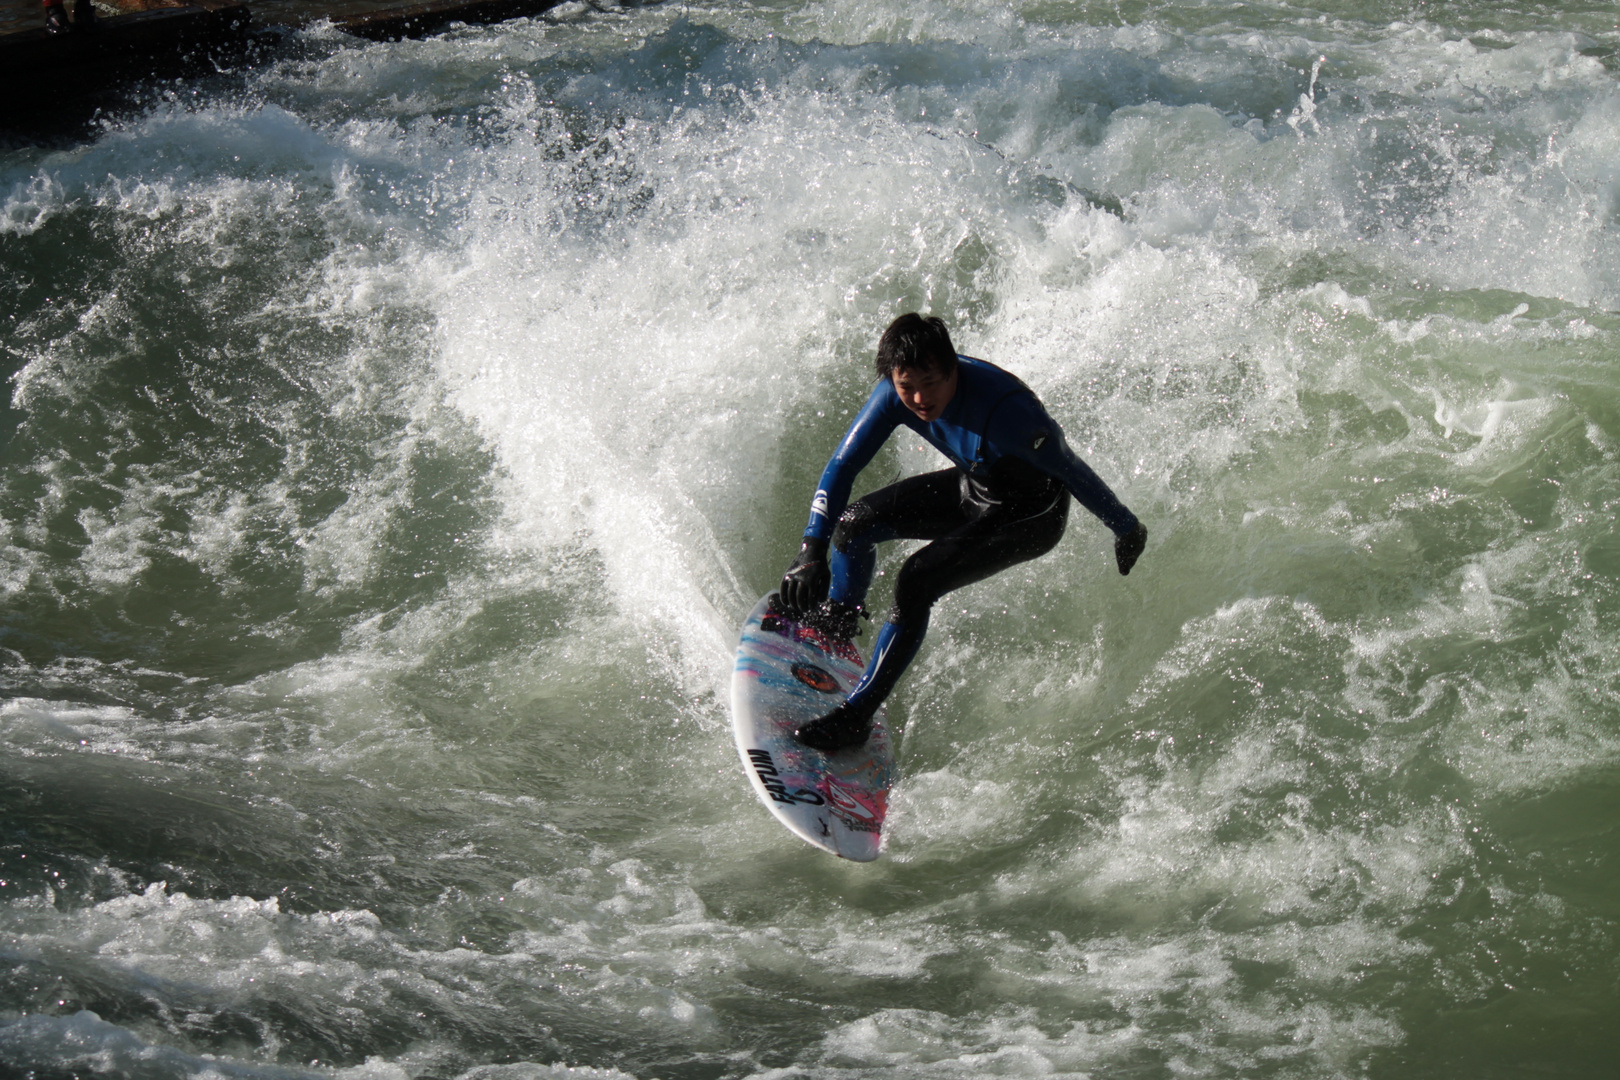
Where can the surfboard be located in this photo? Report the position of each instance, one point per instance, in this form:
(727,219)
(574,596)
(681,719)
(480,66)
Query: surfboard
(787,673)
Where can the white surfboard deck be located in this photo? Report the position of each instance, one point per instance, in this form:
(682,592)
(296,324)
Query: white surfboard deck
(786,674)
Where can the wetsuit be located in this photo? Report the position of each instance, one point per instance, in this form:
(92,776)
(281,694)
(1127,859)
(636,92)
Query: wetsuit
(1004,502)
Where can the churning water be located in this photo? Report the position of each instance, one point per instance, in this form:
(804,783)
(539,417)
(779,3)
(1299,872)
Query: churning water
(398,433)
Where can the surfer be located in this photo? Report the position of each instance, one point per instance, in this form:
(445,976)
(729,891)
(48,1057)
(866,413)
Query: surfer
(1005,501)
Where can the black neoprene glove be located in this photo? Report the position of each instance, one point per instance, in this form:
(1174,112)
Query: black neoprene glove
(1128,547)
(806,581)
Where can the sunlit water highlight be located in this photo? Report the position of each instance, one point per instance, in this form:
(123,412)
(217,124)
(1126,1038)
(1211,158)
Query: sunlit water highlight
(398,434)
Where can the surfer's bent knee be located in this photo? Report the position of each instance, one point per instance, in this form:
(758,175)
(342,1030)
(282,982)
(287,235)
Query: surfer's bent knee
(853,524)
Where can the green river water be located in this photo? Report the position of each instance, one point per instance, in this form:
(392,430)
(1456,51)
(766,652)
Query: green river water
(396,435)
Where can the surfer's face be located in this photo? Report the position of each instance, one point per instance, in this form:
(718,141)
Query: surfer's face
(925,392)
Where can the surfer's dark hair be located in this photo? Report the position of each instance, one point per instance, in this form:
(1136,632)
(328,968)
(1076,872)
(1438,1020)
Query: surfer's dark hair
(914,343)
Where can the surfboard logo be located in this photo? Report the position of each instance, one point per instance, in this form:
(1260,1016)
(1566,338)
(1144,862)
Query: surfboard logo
(816,678)
(846,803)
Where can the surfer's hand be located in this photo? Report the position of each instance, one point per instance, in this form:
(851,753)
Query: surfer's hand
(1128,547)
(806,581)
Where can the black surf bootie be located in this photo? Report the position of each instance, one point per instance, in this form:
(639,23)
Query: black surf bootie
(845,727)
(836,619)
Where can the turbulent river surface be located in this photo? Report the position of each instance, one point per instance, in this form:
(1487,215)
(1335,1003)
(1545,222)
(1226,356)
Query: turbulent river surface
(396,435)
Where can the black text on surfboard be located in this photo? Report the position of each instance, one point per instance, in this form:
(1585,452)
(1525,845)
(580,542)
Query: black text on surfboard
(766,769)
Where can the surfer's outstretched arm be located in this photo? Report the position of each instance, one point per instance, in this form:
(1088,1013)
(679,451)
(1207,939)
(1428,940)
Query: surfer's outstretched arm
(1026,431)
(866,435)
(806,581)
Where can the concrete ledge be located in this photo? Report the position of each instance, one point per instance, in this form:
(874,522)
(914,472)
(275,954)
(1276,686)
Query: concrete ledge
(52,82)
(385,22)
(50,77)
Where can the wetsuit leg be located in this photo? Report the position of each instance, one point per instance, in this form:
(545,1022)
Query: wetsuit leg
(917,508)
(991,538)
(987,545)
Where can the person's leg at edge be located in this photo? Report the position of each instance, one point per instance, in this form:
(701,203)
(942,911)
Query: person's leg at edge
(982,548)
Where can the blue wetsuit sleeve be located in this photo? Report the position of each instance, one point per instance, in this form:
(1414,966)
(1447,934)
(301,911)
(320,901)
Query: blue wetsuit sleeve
(872,426)
(1023,428)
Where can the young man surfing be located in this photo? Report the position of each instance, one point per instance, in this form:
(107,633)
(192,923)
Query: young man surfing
(1005,501)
